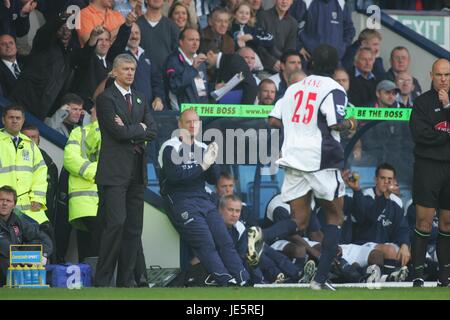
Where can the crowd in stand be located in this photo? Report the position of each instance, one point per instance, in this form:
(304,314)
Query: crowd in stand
(184,50)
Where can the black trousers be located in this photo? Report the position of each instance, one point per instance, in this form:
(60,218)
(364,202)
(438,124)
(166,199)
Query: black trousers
(122,220)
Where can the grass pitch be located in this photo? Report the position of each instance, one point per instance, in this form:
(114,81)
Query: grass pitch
(225,294)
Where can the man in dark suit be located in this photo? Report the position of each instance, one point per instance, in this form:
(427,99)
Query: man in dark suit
(225,66)
(125,125)
(10,64)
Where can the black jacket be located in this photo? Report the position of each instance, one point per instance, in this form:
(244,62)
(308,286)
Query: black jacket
(430,127)
(116,162)
(7,78)
(18,231)
(48,73)
(229,65)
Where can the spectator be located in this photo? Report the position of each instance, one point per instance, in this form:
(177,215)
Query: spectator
(203,9)
(290,62)
(179,13)
(325,21)
(71,114)
(185,72)
(400,61)
(160,30)
(243,29)
(183,191)
(32,132)
(48,76)
(368,38)
(296,76)
(28,174)
(225,66)
(99,13)
(16,230)
(256,7)
(380,221)
(15,16)
(126,6)
(11,64)
(389,141)
(147,78)
(362,79)
(405,82)
(250,58)
(283,27)
(97,56)
(267,92)
(215,36)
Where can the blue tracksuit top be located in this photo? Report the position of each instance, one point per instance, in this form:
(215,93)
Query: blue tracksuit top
(185,178)
(378,219)
(324,21)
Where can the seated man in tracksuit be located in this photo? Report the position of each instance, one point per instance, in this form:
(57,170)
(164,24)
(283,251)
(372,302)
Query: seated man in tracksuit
(273,266)
(186,164)
(14,229)
(379,218)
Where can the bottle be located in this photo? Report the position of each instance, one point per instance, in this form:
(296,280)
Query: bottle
(18,279)
(26,275)
(42,275)
(34,274)
(10,276)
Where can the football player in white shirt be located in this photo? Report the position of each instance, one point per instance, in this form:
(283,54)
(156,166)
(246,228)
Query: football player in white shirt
(312,114)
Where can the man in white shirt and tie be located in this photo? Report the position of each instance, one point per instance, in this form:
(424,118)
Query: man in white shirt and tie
(10,68)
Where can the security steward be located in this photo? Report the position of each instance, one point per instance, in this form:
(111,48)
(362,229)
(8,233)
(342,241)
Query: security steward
(22,166)
(83,196)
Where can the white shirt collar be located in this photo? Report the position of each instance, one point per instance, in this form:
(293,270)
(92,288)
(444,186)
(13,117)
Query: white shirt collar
(139,53)
(122,90)
(189,61)
(219,57)
(9,64)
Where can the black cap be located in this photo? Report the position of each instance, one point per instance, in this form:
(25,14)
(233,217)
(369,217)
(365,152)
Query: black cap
(325,59)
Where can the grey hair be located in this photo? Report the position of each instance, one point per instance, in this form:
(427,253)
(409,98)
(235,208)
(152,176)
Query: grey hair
(223,200)
(123,58)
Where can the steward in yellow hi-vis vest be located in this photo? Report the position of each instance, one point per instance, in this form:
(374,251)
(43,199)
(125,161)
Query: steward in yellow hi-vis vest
(82,167)
(22,166)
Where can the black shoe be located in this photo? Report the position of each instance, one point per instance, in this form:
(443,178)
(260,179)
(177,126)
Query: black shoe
(143,282)
(418,283)
(443,284)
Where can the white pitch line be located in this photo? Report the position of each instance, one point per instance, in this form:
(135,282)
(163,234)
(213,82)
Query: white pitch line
(378,285)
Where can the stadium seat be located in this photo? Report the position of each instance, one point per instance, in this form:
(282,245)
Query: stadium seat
(266,191)
(153,182)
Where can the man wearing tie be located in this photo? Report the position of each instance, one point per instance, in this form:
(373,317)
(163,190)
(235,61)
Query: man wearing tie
(125,125)
(10,67)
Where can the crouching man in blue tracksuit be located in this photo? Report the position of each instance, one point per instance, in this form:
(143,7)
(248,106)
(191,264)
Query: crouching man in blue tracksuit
(185,166)
(380,221)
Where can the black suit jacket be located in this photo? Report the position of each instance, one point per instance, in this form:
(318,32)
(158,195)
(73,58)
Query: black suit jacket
(229,65)
(116,157)
(7,78)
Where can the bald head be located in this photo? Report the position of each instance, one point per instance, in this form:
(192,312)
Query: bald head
(189,121)
(440,74)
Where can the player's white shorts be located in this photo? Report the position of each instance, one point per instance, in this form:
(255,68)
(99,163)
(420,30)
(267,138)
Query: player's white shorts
(326,184)
(355,253)
(360,253)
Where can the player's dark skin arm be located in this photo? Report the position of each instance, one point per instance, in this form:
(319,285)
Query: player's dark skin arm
(301,242)
(347,124)
(275,123)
